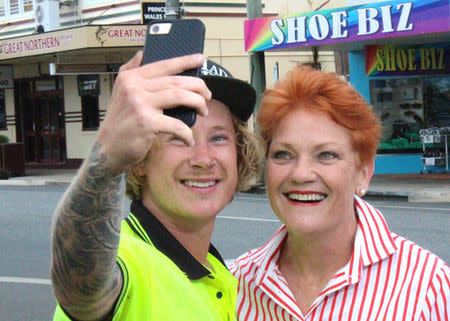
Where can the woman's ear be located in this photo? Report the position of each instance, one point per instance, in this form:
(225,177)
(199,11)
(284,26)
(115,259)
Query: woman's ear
(366,173)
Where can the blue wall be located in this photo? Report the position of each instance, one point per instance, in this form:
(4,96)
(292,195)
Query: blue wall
(398,164)
(357,68)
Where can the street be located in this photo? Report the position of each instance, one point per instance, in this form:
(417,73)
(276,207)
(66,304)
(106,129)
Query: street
(25,216)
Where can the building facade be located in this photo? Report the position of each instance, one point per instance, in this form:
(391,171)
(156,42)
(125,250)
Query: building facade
(399,60)
(59,60)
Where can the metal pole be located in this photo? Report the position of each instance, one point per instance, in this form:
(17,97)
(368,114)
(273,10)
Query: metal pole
(173,9)
(257,69)
(257,63)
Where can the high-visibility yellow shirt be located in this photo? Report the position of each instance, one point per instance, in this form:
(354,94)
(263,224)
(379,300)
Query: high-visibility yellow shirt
(162,280)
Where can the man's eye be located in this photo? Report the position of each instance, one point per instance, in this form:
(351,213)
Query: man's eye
(219,138)
(175,139)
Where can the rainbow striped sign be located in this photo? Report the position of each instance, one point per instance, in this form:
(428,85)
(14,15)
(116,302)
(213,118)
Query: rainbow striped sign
(388,60)
(349,24)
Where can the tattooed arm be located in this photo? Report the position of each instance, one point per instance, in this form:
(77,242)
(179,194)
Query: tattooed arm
(86,229)
(85,241)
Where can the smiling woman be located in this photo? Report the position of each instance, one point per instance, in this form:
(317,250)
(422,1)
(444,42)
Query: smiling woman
(334,258)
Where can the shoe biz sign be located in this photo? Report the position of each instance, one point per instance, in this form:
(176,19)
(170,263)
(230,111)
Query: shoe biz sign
(407,60)
(355,24)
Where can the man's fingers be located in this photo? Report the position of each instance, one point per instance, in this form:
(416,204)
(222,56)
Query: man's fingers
(174,90)
(134,62)
(190,83)
(174,97)
(172,66)
(170,125)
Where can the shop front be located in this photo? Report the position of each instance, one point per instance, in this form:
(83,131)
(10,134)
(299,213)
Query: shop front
(399,59)
(410,91)
(61,83)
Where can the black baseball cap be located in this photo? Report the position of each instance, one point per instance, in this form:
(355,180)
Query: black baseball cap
(238,95)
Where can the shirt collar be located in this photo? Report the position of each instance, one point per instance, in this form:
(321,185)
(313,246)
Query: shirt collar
(166,243)
(376,242)
(373,243)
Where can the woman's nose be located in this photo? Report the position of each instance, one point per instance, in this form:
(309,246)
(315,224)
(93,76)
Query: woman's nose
(303,172)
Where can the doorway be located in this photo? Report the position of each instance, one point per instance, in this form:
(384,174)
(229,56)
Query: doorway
(42,114)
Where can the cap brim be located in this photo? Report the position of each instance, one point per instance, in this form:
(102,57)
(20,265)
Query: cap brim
(238,95)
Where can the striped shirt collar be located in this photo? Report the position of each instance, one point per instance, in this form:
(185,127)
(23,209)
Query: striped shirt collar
(373,243)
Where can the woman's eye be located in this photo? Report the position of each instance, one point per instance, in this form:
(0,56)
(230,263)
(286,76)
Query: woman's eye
(281,155)
(328,155)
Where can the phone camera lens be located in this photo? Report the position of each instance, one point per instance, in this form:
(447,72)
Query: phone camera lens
(155,28)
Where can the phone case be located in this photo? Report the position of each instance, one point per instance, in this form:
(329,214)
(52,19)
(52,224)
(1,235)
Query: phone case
(186,37)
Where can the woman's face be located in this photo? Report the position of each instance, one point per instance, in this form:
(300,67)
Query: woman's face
(312,173)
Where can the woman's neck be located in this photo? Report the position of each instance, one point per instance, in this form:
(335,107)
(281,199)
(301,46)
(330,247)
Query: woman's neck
(308,262)
(319,254)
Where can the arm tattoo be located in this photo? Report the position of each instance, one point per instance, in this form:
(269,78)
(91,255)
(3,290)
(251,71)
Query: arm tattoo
(86,232)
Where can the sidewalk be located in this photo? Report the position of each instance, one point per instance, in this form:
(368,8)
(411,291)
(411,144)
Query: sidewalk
(413,188)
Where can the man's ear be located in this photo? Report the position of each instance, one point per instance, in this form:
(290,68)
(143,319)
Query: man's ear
(139,169)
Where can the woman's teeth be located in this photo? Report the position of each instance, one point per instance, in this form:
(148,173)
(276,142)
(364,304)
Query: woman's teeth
(306,197)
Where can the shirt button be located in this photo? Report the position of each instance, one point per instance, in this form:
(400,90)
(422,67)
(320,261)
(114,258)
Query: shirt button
(219,295)
(210,276)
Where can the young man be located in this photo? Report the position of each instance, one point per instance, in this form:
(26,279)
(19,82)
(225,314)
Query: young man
(180,178)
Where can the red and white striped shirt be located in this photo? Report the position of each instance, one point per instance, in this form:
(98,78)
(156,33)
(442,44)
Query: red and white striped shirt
(387,278)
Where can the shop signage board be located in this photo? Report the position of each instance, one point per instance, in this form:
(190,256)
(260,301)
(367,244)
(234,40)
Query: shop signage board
(392,60)
(105,36)
(88,85)
(348,24)
(153,11)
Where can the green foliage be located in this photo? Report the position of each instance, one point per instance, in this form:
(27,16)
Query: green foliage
(4,139)
(314,60)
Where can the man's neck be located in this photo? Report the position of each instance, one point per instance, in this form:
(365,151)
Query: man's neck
(193,234)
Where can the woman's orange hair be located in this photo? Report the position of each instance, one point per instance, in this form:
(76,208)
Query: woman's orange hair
(304,87)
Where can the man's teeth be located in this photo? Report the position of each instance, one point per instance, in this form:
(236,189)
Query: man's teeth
(306,197)
(199,184)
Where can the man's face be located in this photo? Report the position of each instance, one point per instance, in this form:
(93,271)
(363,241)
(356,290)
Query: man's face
(187,184)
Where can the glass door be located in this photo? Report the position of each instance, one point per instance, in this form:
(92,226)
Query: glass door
(46,129)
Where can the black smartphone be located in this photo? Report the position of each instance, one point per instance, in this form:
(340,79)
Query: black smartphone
(167,39)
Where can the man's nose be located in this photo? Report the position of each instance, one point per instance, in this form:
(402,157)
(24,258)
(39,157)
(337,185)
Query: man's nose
(201,156)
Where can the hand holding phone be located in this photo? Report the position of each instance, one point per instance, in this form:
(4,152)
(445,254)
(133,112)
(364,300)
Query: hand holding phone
(173,38)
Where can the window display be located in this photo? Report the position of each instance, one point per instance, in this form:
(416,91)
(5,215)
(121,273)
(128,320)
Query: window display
(407,105)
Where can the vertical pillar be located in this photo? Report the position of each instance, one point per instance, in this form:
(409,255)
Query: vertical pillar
(257,63)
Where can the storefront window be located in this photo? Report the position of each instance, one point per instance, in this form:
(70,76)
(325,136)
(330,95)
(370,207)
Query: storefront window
(407,105)
(10,8)
(13,7)
(2,8)
(90,112)
(27,5)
